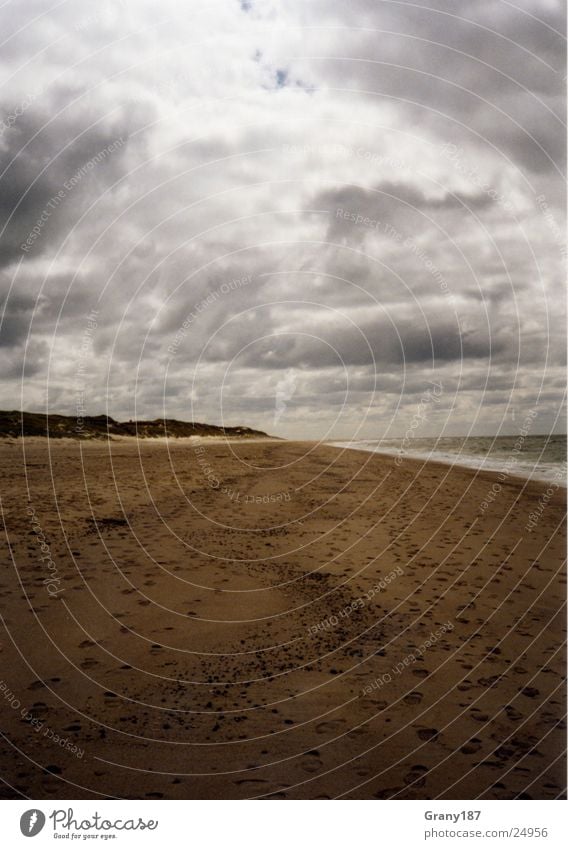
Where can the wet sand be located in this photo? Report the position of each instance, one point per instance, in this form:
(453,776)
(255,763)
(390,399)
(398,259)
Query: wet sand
(276,620)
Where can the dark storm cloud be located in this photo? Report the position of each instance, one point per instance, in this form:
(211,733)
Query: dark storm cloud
(23,361)
(16,320)
(60,308)
(46,169)
(487,68)
(356,212)
(21,200)
(389,343)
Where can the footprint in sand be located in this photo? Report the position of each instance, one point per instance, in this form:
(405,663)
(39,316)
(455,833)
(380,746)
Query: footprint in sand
(488,682)
(413,698)
(471,747)
(53,769)
(427,733)
(479,716)
(387,793)
(330,726)
(522,770)
(311,763)
(416,775)
(531,692)
(554,787)
(421,673)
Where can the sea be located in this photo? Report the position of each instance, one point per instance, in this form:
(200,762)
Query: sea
(536,457)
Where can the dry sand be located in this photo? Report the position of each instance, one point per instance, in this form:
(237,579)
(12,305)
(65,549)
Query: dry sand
(203,642)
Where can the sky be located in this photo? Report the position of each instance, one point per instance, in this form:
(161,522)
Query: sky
(320,218)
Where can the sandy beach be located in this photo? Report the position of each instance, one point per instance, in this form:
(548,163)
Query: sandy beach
(208,619)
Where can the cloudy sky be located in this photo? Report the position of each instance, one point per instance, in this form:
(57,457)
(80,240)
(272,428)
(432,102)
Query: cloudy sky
(300,215)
